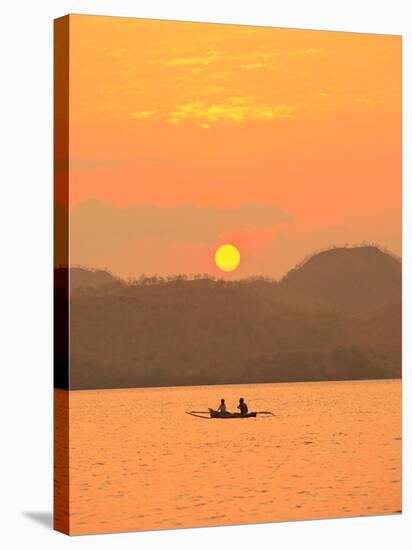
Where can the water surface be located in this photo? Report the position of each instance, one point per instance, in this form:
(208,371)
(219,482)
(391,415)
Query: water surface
(139,462)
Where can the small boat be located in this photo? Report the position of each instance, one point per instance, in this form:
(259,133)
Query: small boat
(211,413)
(217,414)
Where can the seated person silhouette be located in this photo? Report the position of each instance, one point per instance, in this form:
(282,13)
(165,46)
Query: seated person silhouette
(222,407)
(243,407)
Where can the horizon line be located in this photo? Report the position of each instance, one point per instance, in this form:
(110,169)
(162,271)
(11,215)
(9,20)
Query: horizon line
(209,276)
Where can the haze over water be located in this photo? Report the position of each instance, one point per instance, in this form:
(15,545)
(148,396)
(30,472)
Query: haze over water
(138,462)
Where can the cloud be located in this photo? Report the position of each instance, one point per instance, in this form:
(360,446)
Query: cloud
(195,60)
(306,51)
(118,52)
(98,225)
(219,76)
(210,90)
(141,115)
(145,238)
(189,61)
(233,109)
(266,55)
(366,101)
(84,163)
(251,66)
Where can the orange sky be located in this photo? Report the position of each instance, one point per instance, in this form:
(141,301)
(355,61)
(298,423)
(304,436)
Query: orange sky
(187,135)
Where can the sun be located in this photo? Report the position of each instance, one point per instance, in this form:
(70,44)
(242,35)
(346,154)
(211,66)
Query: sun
(227,257)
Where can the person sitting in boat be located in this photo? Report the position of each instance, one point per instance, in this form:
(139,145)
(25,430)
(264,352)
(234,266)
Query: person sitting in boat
(222,407)
(242,407)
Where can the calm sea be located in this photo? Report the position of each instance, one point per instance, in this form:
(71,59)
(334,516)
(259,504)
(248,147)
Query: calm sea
(139,462)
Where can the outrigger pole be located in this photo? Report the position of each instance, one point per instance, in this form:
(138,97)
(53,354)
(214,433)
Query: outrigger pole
(209,415)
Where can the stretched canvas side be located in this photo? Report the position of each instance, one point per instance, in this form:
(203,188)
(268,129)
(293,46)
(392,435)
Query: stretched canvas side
(61,275)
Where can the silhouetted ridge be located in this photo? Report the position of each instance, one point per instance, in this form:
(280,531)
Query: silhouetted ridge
(336,317)
(345,279)
(82,278)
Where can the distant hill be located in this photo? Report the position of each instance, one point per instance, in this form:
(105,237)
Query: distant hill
(337,316)
(97,279)
(345,279)
(82,279)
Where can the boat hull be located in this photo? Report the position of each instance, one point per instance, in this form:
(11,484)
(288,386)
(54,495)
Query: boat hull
(216,414)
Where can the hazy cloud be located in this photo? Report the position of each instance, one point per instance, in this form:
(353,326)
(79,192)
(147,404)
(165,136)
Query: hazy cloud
(82,163)
(231,109)
(251,66)
(234,109)
(144,114)
(211,90)
(95,223)
(195,60)
(306,51)
(366,101)
(118,52)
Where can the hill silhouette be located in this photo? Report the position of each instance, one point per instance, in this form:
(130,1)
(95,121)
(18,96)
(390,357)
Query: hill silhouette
(345,279)
(336,317)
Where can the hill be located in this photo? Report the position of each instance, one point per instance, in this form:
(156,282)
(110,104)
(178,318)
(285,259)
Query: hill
(345,279)
(86,280)
(335,317)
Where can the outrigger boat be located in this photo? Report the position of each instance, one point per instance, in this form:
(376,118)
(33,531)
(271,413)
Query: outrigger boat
(211,413)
